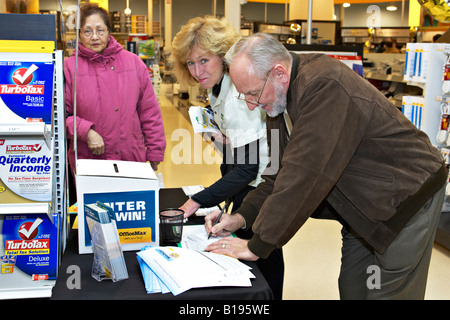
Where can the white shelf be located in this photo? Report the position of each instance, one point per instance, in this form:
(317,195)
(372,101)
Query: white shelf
(39,129)
(26,208)
(43,290)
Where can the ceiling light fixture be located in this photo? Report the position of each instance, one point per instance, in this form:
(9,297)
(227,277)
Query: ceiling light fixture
(391,8)
(127,10)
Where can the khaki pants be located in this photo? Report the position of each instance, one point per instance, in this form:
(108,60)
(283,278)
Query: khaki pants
(402,271)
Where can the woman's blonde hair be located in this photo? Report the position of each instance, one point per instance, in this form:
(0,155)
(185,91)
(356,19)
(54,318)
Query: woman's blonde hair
(214,35)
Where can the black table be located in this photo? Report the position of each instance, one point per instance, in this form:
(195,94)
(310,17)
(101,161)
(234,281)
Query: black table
(133,288)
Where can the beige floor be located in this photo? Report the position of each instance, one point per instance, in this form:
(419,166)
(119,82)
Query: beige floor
(312,257)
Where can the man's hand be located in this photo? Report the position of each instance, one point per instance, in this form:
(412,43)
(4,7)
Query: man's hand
(227,224)
(233,247)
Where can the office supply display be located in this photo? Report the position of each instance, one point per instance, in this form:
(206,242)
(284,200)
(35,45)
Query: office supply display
(109,262)
(181,269)
(33,221)
(427,65)
(202,120)
(412,108)
(425,68)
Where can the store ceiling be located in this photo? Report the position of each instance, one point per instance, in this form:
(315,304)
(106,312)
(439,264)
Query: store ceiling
(335,1)
(270,1)
(364,1)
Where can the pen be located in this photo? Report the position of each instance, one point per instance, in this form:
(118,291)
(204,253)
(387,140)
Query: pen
(227,202)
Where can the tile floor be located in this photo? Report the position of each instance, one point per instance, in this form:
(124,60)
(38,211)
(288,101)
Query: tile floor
(312,257)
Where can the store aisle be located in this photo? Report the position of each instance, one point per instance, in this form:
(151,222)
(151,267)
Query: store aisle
(312,257)
(184,161)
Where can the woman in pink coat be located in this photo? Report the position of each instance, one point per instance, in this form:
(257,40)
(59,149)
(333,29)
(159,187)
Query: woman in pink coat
(118,114)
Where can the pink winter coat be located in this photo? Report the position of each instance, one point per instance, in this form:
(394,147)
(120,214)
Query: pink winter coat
(115,97)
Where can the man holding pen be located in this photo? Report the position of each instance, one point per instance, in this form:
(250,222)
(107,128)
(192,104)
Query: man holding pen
(351,156)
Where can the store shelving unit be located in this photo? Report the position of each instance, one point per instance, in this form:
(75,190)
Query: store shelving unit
(424,63)
(424,67)
(385,71)
(15,281)
(59,196)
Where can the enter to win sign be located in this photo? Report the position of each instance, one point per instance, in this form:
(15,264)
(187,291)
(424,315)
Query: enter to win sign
(134,212)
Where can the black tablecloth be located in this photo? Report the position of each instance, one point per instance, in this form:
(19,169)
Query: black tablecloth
(133,287)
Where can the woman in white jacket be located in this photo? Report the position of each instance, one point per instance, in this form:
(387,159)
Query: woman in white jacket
(197,54)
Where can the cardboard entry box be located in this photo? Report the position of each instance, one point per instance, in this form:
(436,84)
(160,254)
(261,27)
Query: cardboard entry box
(131,189)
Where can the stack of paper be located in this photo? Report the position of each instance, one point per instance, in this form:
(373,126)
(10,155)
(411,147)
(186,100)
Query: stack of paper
(109,262)
(178,270)
(152,282)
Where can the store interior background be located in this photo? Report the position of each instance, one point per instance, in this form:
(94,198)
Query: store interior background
(183,10)
(265,11)
(312,257)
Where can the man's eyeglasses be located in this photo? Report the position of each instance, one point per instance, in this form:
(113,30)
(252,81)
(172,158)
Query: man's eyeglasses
(89,32)
(241,96)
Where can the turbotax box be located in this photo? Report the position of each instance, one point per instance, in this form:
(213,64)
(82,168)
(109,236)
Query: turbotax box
(29,255)
(26,91)
(26,168)
(131,189)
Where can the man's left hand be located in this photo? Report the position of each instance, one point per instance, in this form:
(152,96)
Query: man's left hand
(233,247)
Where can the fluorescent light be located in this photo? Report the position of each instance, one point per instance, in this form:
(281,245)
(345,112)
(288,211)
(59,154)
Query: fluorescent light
(346,5)
(391,8)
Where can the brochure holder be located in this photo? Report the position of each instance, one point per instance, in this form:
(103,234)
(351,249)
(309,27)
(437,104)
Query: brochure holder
(109,262)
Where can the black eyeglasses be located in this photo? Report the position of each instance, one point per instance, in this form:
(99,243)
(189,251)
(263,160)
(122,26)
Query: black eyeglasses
(241,96)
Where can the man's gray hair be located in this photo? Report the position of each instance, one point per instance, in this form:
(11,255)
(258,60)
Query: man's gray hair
(263,51)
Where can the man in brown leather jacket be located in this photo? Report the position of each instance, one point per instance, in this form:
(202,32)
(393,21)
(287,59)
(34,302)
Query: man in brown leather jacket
(350,155)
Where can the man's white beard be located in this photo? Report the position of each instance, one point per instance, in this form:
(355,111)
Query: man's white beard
(279,105)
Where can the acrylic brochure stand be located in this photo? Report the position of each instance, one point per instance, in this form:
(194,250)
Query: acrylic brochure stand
(109,262)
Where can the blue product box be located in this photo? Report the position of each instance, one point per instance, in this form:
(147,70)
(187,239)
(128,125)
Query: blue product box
(29,248)
(26,92)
